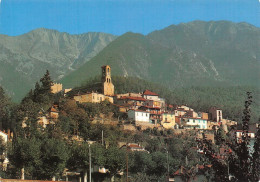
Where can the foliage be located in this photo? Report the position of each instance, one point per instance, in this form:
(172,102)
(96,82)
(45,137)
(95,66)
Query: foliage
(115,160)
(256,156)
(239,163)
(5,110)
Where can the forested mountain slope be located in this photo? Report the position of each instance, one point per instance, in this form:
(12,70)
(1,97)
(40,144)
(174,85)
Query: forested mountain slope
(216,53)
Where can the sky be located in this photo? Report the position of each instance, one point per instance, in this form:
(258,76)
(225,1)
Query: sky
(119,16)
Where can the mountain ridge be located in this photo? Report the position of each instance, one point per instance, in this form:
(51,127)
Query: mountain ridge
(188,54)
(28,56)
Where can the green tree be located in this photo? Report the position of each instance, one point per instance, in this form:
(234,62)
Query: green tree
(54,155)
(115,160)
(256,156)
(24,154)
(5,107)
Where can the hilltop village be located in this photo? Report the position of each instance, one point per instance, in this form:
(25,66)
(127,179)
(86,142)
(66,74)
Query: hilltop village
(117,128)
(148,109)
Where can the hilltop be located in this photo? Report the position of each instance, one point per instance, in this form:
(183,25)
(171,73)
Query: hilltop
(230,99)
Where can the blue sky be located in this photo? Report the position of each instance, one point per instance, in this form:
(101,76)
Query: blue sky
(119,16)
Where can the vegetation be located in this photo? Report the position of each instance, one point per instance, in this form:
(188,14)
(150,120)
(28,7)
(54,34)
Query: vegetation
(238,164)
(43,153)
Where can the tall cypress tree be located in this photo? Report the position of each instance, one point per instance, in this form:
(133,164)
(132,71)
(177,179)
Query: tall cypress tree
(46,83)
(256,156)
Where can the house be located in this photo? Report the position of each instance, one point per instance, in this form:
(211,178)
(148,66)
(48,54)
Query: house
(147,94)
(56,87)
(153,99)
(129,95)
(238,134)
(133,101)
(4,136)
(155,113)
(139,116)
(194,123)
(215,114)
(92,97)
(203,115)
(3,159)
(54,112)
(135,147)
(168,120)
(44,121)
(191,113)
(180,112)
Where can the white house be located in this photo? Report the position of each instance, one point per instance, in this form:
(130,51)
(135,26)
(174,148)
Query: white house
(139,115)
(192,123)
(5,161)
(147,94)
(238,134)
(4,136)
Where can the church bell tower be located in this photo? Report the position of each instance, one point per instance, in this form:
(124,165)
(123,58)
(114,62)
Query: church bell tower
(108,87)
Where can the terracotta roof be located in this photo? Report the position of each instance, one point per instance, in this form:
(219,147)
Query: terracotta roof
(148,92)
(242,131)
(138,110)
(53,109)
(150,107)
(133,145)
(132,98)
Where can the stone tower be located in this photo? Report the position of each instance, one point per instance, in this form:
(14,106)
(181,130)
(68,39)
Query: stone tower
(108,87)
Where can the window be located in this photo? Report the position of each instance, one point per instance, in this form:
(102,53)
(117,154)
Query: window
(101,98)
(193,121)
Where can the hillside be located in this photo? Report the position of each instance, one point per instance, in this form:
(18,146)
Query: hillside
(230,99)
(198,53)
(25,58)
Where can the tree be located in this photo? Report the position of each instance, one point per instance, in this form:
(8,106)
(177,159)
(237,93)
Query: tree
(5,106)
(239,163)
(256,156)
(46,83)
(25,155)
(115,160)
(79,156)
(54,155)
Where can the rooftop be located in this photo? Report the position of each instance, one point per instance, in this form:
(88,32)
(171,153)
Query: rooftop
(148,92)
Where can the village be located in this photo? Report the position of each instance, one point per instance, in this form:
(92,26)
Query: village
(146,110)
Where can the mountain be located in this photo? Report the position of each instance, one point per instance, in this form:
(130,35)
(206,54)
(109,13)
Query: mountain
(215,53)
(25,58)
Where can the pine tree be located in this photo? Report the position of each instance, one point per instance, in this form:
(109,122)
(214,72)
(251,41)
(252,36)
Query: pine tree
(46,83)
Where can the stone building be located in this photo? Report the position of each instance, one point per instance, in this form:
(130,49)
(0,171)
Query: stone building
(215,114)
(56,87)
(108,87)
